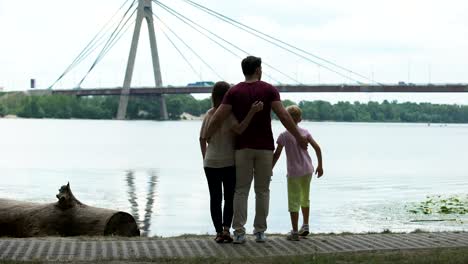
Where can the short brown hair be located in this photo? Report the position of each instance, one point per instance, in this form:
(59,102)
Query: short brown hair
(295,112)
(218,92)
(250,64)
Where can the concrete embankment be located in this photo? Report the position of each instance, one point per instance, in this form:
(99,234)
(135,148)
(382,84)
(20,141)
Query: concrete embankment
(91,249)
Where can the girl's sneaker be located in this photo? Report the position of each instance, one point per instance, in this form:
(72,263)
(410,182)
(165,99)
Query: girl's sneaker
(293,236)
(219,238)
(227,237)
(304,231)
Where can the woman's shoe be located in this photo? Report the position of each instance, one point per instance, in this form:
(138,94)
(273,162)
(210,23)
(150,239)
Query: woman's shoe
(227,237)
(219,238)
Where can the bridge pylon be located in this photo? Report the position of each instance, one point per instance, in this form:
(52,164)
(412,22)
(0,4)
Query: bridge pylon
(144,12)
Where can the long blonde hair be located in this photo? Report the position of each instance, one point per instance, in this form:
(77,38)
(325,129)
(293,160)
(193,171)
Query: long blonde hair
(295,112)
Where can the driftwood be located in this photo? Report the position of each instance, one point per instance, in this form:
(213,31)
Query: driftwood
(67,217)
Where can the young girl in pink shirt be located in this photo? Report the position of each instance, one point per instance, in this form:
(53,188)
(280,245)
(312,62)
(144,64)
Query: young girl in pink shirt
(300,170)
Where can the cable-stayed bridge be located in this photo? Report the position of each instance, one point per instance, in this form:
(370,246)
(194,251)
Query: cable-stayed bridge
(137,11)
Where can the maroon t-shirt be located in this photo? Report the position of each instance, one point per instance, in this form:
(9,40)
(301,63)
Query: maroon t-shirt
(258,134)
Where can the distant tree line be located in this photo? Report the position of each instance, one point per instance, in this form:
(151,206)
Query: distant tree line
(98,107)
(105,107)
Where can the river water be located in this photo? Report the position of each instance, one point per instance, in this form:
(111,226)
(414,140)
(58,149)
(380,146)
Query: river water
(373,172)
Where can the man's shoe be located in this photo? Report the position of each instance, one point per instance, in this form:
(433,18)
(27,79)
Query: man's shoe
(293,236)
(260,237)
(304,231)
(239,238)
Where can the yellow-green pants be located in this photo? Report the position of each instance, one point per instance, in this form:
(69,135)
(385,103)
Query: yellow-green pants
(298,192)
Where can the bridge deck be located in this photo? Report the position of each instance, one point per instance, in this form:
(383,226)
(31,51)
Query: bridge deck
(436,88)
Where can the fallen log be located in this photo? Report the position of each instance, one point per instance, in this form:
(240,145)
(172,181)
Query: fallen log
(67,217)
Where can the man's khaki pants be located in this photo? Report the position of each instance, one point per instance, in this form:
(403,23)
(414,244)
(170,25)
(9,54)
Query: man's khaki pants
(257,165)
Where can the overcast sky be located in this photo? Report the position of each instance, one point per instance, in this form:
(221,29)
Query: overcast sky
(387,41)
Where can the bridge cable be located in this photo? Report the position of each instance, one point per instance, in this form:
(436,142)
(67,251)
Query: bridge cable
(110,42)
(101,42)
(190,48)
(204,34)
(219,44)
(258,33)
(178,15)
(234,22)
(119,37)
(184,18)
(90,47)
(181,54)
(119,34)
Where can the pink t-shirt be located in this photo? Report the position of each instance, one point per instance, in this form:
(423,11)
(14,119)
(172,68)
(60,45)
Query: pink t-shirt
(299,162)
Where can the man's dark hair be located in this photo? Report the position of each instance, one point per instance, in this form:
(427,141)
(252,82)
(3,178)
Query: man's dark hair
(219,90)
(250,64)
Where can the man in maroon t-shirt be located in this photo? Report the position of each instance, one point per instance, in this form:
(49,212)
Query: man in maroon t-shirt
(254,147)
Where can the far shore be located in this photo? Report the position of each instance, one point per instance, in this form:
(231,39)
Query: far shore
(189,117)
(10,117)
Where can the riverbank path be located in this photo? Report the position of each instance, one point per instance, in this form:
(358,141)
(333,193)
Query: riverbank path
(91,249)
